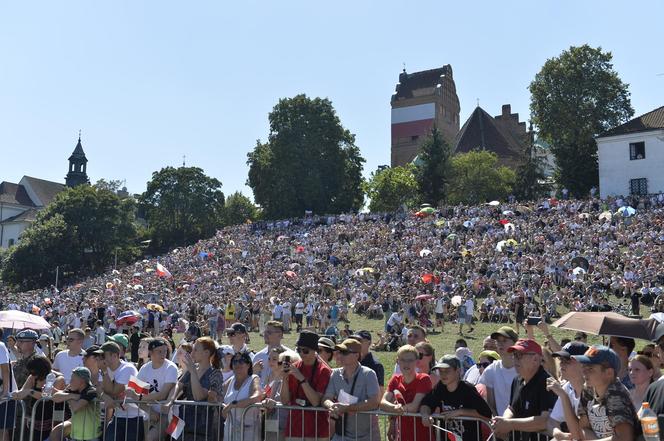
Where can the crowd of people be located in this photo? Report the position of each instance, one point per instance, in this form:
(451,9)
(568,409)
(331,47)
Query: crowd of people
(181,324)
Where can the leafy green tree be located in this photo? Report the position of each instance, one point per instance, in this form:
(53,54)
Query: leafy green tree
(575,97)
(476,178)
(182,205)
(80,231)
(530,176)
(238,209)
(112,185)
(309,162)
(432,172)
(390,188)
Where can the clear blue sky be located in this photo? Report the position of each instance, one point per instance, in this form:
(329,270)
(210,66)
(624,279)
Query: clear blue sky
(150,81)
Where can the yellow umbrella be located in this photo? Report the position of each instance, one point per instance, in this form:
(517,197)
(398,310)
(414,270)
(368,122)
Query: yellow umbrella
(155,307)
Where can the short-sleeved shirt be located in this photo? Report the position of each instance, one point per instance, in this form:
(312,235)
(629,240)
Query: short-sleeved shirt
(607,412)
(158,378)
(85,421)
(465,396)
(65,364)
(372,363)
(4,359)
(499,379)
(358,426)
(404,393)
(558,414)
(318,376)
(121,376)
(531,399)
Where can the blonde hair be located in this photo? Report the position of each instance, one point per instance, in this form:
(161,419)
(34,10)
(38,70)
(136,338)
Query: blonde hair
(407,349)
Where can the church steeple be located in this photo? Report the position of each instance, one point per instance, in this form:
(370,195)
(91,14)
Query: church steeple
(78,164)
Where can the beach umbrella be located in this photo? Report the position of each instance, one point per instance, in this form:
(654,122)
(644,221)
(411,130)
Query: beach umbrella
(494,203)
(512,242)
(428,210)
(581,262)
(439,222)
(605,216)
(456,300)
(22,320)
(290,274)
(508,227)
(608,323)
(128,318)
(452,236)
(508,213)
(504,221)
(155,307)
(424,297)
(299,249)
(425,252)
(430,278)
(626,211)
(500,245)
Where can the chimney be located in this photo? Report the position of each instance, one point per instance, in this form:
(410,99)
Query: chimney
(507,110)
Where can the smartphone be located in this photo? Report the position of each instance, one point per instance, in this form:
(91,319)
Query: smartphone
(533,320)
(286,363)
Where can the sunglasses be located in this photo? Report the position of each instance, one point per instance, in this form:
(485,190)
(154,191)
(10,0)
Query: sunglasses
(484,364)
(304,351)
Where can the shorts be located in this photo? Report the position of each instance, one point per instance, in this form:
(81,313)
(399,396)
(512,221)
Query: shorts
(461,320)
(440,315)
(7,414)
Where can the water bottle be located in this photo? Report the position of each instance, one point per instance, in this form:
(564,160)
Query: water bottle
(649,423)
(47,390)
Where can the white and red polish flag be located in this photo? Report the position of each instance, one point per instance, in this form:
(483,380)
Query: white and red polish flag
(163,272)
(176,424)
(140,387)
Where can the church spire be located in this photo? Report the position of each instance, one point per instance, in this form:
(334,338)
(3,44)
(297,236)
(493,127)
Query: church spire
(77,166)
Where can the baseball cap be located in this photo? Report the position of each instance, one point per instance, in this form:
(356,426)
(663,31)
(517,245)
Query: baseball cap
(362,335)
(110,346)
(156,342)
(489,354)
(571,348)
(526,345)
(120,339)
(27,335)
(349,345)
(237,327)
(44,337)
(448,361)
(326,343)
(505,331)
(598,354)
(83,372)
(93,350)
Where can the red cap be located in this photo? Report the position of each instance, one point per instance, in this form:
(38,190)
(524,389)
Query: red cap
(526,345)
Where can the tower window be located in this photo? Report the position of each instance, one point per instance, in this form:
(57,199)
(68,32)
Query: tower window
(414,138)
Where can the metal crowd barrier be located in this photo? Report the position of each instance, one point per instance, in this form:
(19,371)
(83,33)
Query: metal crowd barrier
(314,423)
(12,414)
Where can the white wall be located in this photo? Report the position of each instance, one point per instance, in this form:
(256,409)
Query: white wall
(616,169)
(7,211)
(12,230)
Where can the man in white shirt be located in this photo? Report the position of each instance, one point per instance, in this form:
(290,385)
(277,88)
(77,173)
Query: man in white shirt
(66,361)
(7,408)
(395,319)
(273,334)
(299,312)
(498,376)
(277,311)
(127,423)
(100,333)
(162,375)
(286,318)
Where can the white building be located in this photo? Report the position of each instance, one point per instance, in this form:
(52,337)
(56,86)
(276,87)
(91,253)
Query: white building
(631,156)
(19,203)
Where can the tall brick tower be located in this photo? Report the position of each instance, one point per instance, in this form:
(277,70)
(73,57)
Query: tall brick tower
(422,99)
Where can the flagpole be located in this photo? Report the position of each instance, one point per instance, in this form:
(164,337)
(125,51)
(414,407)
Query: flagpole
(57,274)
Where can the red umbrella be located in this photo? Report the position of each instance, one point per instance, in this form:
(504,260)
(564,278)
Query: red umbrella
(504,221)
(128,318)
(430,278)
(290,274)
(299,249)
(424,297)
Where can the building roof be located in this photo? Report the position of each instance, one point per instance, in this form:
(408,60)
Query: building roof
(482,132)
(11,193)
(78,153)
(408,82)
(29,215)
(45,190)
(652,120)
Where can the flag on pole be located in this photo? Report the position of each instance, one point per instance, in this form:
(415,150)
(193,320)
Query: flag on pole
(140,387)
(163,272)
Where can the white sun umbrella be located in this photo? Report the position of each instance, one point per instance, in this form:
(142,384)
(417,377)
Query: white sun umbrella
(22,320)
(494,203)
(508,227)
(578,270)
(456,300)
(425,252)
(468,224)
(508,212)
(500,245)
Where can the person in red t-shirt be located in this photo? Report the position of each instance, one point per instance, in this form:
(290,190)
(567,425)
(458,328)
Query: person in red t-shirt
(404,394)
(306,383)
